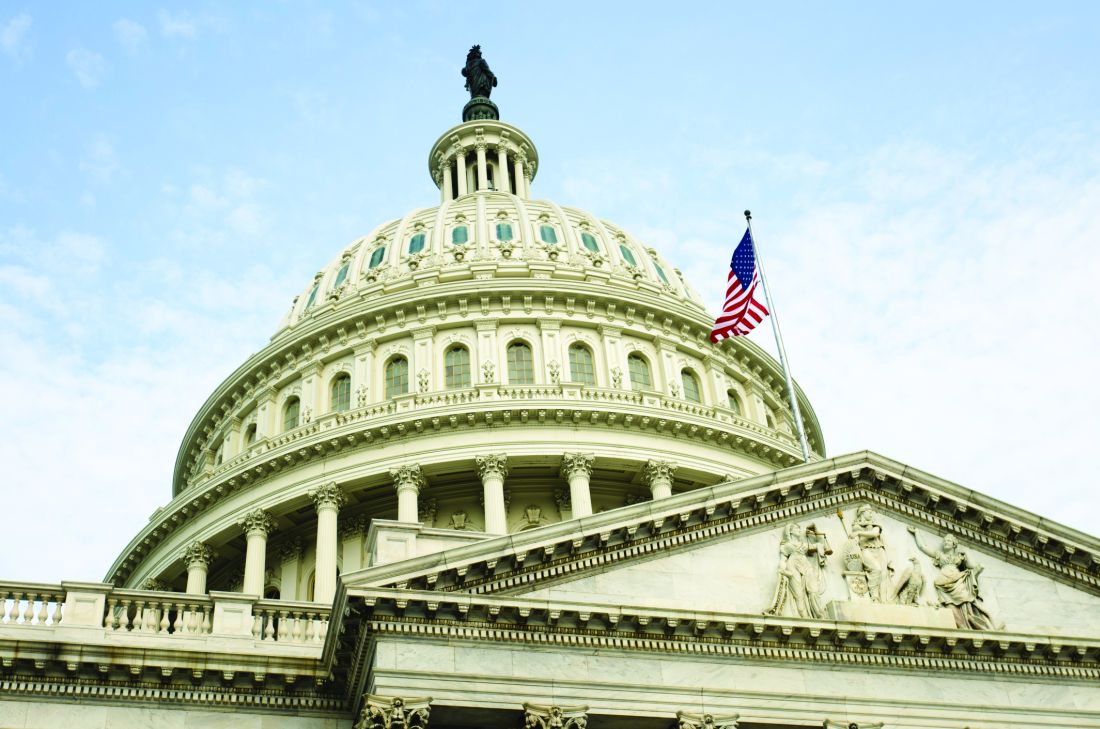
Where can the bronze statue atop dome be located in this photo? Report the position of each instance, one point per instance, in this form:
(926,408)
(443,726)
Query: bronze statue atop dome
(479,79)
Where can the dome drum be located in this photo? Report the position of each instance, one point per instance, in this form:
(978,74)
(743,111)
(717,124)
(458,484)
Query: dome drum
(483,155)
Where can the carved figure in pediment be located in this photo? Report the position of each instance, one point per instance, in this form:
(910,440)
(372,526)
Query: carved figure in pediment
(385,712)
(910,584)
(688,720)
(802,555)
(866,567)
(957,583)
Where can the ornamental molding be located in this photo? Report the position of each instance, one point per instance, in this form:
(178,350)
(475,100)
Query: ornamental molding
(291,549)
(328,495)
(257,522)
(492,465)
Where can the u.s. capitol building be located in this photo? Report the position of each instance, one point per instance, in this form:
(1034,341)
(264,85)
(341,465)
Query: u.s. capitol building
(491,472)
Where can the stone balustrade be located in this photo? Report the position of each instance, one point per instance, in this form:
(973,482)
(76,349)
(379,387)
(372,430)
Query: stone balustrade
(30,604)
(166,613)
(289,622)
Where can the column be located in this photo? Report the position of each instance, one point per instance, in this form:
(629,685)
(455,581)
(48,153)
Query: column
(502,164)
(460,166)
(407,481)
(482,168)
(564,716)
(448,191)
(577,468)
(327,499)
(518,171)
(257,524)
(197,556)
(658,476)
(493,469)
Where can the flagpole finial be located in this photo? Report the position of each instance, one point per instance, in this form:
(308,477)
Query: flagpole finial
(748,215)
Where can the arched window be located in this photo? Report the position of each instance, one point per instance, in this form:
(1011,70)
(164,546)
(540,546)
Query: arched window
(581,367)
(377,256)
(504,231)
(589,242)
(734,401)
(660,272)
(341,275)
(456,367)
(312,297)
(291,412)
(548,234)
(521,364)
(640,378)
(397,377)
(628,256)
(416,243)
(691,386)
(250,434)
(340,393)
(460,235)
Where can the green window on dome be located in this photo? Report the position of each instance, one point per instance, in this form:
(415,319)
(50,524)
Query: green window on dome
(734,401)
(341,275)
(291,411)
(456,368)
(521,364)
(376,257)
(548,234)
(397,377)
(504,231)
(589,241)
(341,393)
(691,386)
(640,378)
(660,272)
(416,243)
(459,235)
(581,366)
(312,297)
(628,256)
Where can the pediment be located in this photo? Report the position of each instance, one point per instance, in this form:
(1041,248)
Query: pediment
(752,547)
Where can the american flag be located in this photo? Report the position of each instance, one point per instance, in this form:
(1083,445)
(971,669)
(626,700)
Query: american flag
(742,311)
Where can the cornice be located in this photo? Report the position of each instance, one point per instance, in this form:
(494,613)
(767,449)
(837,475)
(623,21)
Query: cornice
(517,407)
(376,313)
(592,625)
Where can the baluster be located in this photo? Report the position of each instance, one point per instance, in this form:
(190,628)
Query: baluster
(269,629)
(124,616)
(28,611)
(59,602)
(109,618)
(257,626)
(43,607)
(139,616)
(165,608)
(179,620)
(283,627)
(308,637)
(206,611)
(192,619)
(322,628)
(297,633)
(8,608)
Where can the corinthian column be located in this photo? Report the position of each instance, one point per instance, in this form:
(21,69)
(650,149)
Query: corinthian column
(407,481)
(482,167)
(197,556)
(577,468)
(502,165)
(257,524)
(493,469)
(460,165)
(327,499)
(658,476)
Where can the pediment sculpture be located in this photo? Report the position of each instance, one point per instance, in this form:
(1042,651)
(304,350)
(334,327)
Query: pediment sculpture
(957,583)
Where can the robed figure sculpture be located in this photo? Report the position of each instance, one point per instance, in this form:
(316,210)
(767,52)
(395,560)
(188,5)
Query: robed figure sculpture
(479,79)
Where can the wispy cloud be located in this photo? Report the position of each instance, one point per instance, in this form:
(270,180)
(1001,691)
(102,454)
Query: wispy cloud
(100,161)
(13,37)
(177,25)
(131,35)
(88,66)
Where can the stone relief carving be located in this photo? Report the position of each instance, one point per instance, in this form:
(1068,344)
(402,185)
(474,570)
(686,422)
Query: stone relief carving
(488,371)
(460,521)
(361,395)
(532,516)
(257,521)
(555,372)
(536,716)
(957,583)
(328,494)
(801,585)
(385,712)
(866,568)
(617,377)
(495,464)
(423,380)
(198,554)
(688,720)
(909,586)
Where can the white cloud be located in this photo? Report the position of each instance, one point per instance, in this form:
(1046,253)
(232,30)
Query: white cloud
(177,26)
(88,66)
(131,35)
(100,160)
(13,37)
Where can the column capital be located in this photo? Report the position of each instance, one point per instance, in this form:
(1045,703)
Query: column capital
(690,720)
(407,477)
(394,712)
(495,464)
(257,521)
(658,471)
(536,716)
(351,527)
(197,554)
(831,724)
(289,550)
(328,494)
(577,464)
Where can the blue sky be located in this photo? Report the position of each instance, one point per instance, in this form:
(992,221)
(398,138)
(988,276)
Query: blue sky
(925,184)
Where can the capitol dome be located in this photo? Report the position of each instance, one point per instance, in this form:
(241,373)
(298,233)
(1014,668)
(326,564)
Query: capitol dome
(479,367)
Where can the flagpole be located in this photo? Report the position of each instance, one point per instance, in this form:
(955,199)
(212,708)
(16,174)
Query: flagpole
(779,344)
